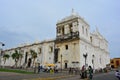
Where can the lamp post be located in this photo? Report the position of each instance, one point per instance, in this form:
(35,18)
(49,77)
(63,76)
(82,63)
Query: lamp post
(93,60)
(61,62)
(2,44)
(85,56)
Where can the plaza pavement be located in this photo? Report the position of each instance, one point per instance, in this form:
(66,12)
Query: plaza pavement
(40,76)
(55,76)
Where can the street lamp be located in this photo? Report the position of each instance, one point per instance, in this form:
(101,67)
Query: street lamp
(2,44)
(85,56)
(61,62)
(93,60)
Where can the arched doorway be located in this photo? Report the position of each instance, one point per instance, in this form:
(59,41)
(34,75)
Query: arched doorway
(29,62)
(66,65)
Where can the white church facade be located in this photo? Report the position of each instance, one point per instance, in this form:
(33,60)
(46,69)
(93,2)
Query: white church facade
(74,46)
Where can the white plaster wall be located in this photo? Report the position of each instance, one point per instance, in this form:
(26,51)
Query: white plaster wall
(83,35)
(48,57)
(72,54)
(75,26)
(86,48)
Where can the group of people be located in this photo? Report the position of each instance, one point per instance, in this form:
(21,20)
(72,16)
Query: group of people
(47,69)
(86,73)
(73,70)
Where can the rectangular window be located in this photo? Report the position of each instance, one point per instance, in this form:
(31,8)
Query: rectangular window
(117,63)
(66,46)
(91,38)
(63,30)
(58,30)
(50,49)
(70,27)
(40,50)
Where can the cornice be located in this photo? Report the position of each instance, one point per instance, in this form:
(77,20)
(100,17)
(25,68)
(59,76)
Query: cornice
(70,18)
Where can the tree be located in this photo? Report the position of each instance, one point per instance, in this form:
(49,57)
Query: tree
(20,57)
(34,55)
(5,57)
(15,56)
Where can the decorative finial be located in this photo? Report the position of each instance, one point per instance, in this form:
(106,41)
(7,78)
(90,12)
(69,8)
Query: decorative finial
(73,12)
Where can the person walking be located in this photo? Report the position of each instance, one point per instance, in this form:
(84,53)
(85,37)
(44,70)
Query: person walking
(70,69)
(83,72)
(39,69)
(90,72)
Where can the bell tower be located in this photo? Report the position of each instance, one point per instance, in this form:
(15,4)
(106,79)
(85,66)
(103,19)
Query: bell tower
(67,28)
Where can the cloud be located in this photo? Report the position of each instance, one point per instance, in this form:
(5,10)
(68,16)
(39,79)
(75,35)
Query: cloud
(27,20)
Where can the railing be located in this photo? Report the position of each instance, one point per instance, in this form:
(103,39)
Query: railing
(71,35)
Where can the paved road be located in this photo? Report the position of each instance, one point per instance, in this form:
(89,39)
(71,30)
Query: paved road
(18,76)
(105,76)
(59,76)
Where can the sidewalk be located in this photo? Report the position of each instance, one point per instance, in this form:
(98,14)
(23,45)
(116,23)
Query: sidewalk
(55,76)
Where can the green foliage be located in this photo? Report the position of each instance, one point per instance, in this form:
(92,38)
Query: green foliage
(5,56)
(20,55)
(17,56)
(16,71)
(34,55)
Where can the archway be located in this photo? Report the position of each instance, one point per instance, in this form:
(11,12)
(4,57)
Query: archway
(29,62)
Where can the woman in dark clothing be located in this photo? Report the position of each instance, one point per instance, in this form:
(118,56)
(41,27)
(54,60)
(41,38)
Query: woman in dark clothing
(83,72)
(90,70)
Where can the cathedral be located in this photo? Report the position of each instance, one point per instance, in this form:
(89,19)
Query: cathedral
(74,46)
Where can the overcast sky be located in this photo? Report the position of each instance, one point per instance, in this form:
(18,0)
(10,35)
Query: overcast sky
(27,21)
